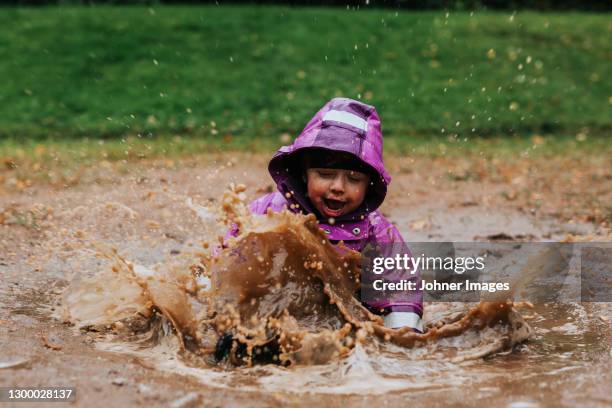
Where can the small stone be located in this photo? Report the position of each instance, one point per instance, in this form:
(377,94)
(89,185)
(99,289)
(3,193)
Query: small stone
(119,381)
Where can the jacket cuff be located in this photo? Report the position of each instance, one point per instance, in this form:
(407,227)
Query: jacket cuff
(396,320)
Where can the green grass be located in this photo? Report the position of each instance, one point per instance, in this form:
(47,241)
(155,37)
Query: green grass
(245,72)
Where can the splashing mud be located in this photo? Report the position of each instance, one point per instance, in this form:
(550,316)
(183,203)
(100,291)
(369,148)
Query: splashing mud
(279,293)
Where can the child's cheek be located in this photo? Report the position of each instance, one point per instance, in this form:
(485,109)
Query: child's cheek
(318,188)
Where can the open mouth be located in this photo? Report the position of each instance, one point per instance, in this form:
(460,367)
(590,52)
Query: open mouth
(333,208)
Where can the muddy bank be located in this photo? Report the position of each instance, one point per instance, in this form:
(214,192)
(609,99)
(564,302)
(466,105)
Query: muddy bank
(144,216)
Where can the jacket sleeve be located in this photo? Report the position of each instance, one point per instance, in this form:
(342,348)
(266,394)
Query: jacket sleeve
(258,206)
(403,307)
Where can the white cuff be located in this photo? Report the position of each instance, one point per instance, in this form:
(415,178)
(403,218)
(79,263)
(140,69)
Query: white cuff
(395,320)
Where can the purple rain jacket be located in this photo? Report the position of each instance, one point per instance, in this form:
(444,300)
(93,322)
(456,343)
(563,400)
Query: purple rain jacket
(348,126)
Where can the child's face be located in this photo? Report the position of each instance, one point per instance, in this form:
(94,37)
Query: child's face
(336,192)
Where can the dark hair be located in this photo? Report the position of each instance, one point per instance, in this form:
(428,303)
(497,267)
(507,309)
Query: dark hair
(332,159)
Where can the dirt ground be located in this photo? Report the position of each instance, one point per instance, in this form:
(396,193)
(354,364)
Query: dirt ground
(429,199)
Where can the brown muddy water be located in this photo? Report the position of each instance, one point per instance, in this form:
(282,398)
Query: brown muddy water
(120,295)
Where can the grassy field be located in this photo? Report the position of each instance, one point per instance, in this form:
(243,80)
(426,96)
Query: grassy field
(236,73)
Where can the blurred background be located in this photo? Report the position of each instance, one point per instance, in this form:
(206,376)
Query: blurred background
(466,68)
(246,75)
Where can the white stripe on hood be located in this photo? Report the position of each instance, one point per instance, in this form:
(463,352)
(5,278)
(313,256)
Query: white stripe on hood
(346,117)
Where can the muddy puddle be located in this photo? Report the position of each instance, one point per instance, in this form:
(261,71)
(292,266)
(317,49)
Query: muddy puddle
(140,280)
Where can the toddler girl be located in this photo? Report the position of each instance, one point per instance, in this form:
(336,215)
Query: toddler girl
(334,169)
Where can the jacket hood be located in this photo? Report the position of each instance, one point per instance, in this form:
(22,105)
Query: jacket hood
(342,125)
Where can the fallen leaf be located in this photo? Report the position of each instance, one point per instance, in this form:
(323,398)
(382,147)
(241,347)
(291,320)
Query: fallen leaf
(421,224)
(48,344)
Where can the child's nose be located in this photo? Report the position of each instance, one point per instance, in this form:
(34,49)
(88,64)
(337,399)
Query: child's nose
(338,184)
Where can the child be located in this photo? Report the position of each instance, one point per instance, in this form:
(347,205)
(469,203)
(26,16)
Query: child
(335,170)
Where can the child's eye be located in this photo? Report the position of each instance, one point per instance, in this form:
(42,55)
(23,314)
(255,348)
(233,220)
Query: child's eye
(355,177)
(326,174)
